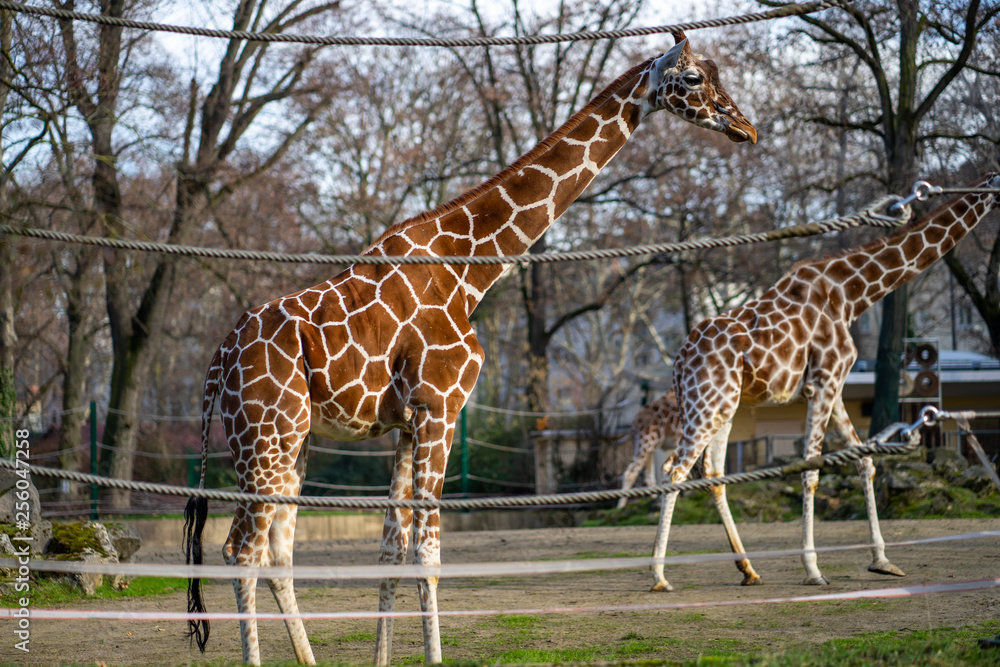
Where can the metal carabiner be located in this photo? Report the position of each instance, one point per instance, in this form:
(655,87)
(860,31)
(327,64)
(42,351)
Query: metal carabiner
(921,191)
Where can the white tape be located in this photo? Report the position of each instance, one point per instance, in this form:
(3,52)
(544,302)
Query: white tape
(894,592)
(451,570)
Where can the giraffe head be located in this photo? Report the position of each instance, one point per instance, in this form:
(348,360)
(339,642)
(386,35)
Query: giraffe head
(689,86)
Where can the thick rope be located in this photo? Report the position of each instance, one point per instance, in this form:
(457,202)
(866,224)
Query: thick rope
(873,216)
(793,9)
(876,445)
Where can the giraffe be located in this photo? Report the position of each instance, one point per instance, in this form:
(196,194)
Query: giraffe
(656,425)
(794,342)
(383,347)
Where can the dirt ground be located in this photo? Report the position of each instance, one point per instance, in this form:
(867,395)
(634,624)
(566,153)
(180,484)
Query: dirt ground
(648,633)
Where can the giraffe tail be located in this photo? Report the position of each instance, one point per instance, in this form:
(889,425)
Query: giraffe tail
(196,511)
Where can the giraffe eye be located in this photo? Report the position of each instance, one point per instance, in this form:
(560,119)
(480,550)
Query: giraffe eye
(692,79)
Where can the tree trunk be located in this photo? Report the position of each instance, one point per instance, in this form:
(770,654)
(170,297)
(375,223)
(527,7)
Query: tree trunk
(887,366)
(901,158)
(74,375)
(538,339)
(130,371)
(8,334)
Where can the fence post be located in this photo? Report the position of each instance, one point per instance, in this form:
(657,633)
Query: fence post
(93,459)
(192,472)
(463,434)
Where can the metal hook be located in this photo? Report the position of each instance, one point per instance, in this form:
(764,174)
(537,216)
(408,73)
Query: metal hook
(930,415)
(921,191)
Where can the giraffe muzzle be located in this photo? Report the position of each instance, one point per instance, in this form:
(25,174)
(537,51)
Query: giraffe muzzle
(740,132)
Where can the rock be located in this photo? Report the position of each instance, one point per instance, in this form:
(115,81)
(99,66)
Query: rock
(899,480)
(6,549)
(41,534)
(947,462)
(86,581)
(125,539)
(8,498)
(917,469)
(78,538)
(93,542)
(976,478)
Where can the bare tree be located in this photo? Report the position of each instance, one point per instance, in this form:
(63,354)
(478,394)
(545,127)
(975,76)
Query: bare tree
(910,54)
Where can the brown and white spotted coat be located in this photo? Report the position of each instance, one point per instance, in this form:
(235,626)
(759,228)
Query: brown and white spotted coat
(656,425)
(794,342)
(379,347)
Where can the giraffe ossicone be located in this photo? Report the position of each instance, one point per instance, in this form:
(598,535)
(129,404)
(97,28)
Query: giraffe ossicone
(383,347)
(794,342)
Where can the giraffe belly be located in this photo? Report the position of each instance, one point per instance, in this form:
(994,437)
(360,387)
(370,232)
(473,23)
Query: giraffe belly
(343,432)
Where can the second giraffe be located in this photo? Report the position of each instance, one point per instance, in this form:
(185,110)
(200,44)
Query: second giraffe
(794,342)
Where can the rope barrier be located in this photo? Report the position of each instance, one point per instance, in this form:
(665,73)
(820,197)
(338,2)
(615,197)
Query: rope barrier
(873,216)
(500,482)
(545,413)
(502,448)
(792,9)
(153,455)
(345,487)
(351,452)
(876,445)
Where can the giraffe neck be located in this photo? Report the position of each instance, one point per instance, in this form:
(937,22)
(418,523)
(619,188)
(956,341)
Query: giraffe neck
(883,265)
(509,212)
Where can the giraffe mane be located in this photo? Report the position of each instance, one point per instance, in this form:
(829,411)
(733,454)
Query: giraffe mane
(880,242)
(526,159)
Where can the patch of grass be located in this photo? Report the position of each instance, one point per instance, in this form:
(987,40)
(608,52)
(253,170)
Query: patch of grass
(51,592)
(755,501)
(535,655)
(357,637)
(942,646)
(517,622)
(603,554)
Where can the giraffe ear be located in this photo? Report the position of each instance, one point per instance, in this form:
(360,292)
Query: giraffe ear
(669,59)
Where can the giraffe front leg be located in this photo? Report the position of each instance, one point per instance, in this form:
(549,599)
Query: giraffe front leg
(628,479)
(395,541)
(810,480)
(667,503)
(879,564)
(430,459)
(427,551)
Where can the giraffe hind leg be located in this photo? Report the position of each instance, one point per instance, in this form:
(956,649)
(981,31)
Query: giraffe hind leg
(395,542)
(245,547)
(281,537)
(866,470)
(715,460)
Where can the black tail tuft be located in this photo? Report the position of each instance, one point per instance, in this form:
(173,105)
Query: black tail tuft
(195,515)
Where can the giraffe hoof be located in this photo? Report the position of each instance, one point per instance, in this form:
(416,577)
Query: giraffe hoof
(755,580)
(885,567)
(661,586)
(816,581)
